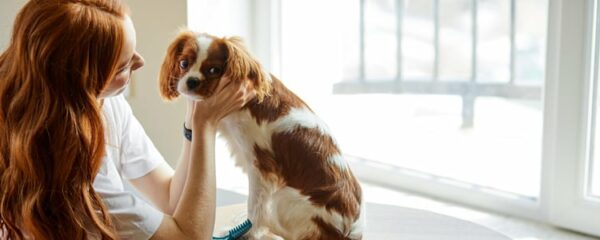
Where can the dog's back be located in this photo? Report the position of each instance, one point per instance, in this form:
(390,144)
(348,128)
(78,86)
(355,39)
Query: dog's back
(300,185)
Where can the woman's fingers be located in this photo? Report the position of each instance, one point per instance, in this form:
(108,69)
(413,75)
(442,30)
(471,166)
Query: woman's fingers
(235,90)
(240,95)
(223,83)
(245,92)
(249,93)
(230,96)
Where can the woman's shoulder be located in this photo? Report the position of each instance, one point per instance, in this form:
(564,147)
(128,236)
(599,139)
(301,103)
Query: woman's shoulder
(115,102)
(117,112)
(116,106)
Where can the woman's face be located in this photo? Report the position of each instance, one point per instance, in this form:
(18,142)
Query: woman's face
(129,61)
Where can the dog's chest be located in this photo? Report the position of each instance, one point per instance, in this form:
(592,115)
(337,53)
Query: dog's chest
(243,134)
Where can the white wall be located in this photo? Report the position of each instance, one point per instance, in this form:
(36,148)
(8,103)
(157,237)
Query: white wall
(156,23)
(8,12)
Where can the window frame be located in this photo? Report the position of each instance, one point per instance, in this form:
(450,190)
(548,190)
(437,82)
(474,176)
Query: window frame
(572,69)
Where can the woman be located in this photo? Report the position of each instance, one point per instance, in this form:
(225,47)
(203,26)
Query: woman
(68,139)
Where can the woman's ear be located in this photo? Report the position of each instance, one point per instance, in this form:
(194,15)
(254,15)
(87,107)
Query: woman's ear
(169,71)
(241,65)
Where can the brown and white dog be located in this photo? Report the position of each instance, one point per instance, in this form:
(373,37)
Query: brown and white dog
(300,185)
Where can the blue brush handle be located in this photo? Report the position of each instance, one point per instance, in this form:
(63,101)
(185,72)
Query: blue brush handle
(237,231)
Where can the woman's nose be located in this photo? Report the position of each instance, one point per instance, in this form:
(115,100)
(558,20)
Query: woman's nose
(138,62)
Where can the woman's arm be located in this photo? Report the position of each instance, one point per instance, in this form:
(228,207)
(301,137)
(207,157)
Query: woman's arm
(178,181)
(163,186)
(194,214)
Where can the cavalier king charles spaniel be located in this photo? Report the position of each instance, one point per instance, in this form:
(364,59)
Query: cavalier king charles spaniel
(300,184)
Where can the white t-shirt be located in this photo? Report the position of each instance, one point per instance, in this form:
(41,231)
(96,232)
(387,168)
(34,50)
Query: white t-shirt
(129,155)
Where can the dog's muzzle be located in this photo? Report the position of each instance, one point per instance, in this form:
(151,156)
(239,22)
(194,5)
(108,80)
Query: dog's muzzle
(192,83)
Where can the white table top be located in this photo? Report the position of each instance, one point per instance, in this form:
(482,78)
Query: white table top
(383,222)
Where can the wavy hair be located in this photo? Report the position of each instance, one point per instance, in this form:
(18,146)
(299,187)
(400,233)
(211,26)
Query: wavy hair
(61,56)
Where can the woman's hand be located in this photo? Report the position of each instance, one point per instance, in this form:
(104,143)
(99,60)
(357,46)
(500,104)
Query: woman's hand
(229,97)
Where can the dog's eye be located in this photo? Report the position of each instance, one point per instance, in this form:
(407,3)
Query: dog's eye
(183,64)
(214,70)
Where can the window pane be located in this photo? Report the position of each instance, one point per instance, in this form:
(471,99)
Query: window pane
(312,45)
(349,14)
(417,42)
(530,41)
(493,46)
(501,151)
(455,40)
(424,128)
(380,40)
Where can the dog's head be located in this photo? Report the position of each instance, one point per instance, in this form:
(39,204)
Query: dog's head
(195,63)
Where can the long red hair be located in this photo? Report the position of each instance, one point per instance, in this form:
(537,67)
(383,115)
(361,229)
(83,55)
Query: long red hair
(61,56)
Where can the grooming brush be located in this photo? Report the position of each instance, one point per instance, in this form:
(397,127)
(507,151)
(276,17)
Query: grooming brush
(237,231)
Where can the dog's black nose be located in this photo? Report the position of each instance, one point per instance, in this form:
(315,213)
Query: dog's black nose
(192,82)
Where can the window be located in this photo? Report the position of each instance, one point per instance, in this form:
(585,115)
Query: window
(452,98)
(483,102)
(450,89)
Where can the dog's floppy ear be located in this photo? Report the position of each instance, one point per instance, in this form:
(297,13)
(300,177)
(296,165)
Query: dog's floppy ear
(240,65)
(169,71)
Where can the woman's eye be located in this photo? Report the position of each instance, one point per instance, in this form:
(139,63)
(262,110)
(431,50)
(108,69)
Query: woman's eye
(214,70)
(183,64)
